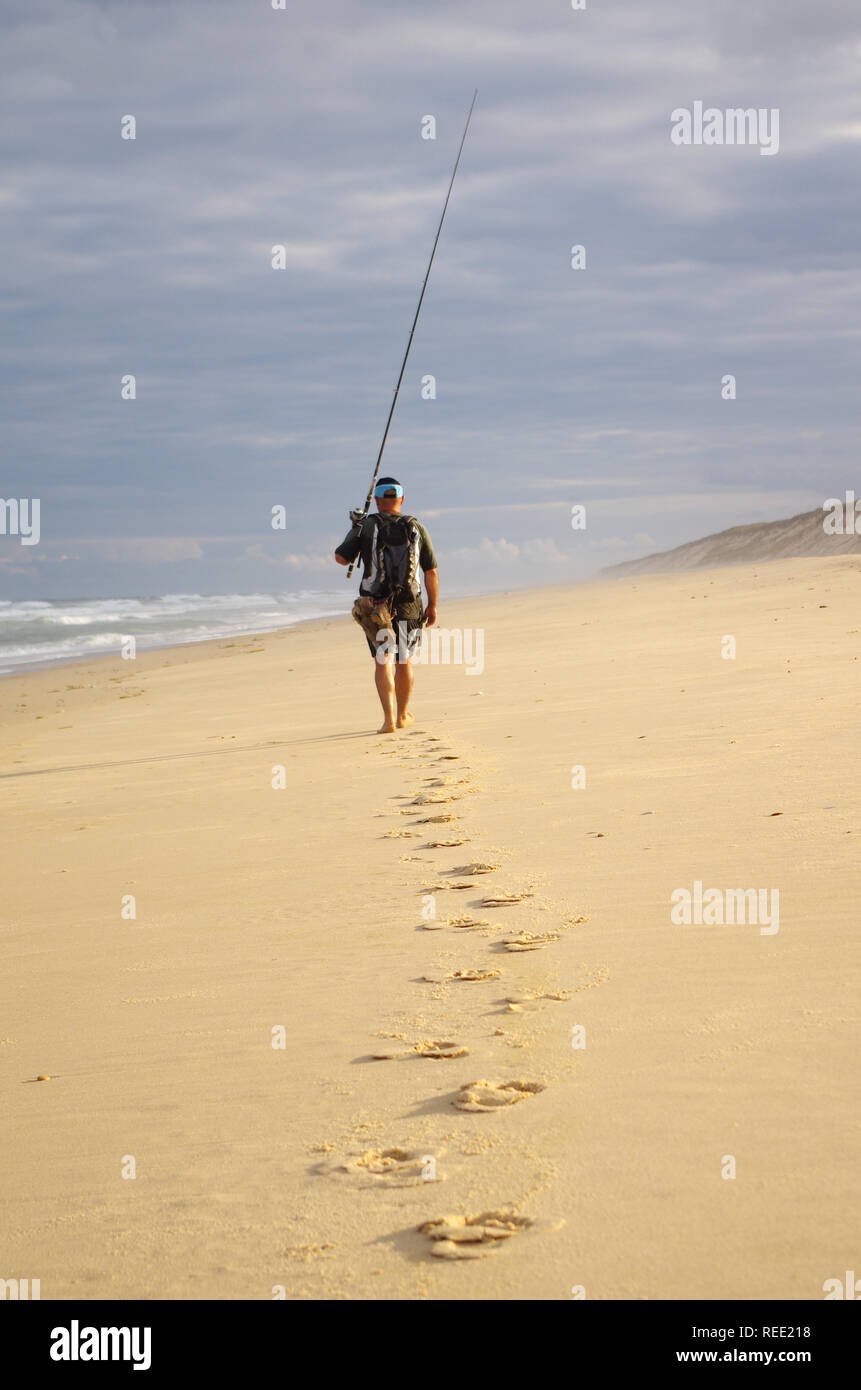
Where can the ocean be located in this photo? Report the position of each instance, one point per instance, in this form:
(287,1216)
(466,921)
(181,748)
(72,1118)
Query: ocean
(39,632)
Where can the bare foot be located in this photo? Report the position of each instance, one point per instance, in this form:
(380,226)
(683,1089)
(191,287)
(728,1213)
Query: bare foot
(404,720)
(386,729)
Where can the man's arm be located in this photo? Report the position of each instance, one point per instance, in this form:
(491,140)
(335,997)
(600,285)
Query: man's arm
(350,546)
(432,586)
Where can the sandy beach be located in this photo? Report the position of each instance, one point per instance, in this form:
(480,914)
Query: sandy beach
(282,862)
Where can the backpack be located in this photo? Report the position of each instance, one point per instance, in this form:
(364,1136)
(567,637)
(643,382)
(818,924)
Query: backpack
(394,561)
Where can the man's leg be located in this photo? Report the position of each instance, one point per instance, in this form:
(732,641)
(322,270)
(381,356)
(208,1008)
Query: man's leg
(385,682)
(403,690)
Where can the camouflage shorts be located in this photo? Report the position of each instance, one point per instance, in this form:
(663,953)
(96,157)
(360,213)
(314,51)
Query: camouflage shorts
(375,619)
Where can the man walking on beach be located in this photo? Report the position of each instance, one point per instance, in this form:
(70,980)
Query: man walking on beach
(392,549)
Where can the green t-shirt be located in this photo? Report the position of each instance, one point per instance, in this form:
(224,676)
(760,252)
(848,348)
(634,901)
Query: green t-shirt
(359,545)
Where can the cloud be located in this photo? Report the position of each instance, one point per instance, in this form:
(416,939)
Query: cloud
(491,551)
(543,551)
(311,562)
(151,550)
(303,128)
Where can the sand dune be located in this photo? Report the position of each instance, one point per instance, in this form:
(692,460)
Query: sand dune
(795,537)
(311,1063)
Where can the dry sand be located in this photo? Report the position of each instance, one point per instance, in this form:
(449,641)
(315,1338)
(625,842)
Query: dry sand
(310,1167)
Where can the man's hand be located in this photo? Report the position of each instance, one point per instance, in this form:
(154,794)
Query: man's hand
(432,586)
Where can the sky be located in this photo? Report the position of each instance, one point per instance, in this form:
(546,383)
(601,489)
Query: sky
(556,387)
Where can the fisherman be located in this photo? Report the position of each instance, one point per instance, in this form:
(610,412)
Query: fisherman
(392,549)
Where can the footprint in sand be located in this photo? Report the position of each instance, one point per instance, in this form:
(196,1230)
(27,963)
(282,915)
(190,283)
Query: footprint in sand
(310,1252)
(594,977)
(427,1047)
(441,844)
(431,820)
(495,1095)
(469,975)
(531,1000)
(530,941)
(475,869)
(461,922)
(505,899)
(401,835)
(442,887)
(394,1167)
(471,1237)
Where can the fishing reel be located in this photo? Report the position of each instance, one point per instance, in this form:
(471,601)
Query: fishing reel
(357,516)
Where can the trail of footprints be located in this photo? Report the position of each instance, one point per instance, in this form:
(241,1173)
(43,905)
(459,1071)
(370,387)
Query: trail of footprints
(457,1236)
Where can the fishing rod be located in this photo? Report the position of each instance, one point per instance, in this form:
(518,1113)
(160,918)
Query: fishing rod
(357,517)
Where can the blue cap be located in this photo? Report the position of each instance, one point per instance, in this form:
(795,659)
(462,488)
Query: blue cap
(383,489)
